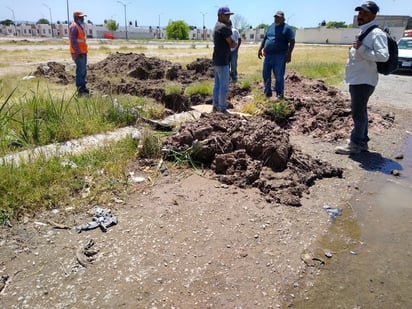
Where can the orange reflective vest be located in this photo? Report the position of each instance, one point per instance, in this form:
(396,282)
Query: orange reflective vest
(81,40)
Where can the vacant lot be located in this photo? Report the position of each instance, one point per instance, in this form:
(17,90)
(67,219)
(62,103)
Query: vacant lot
(237,234)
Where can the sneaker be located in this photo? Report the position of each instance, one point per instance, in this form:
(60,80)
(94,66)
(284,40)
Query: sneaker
(280,96)
(350,148)
(268,95)
(215,109)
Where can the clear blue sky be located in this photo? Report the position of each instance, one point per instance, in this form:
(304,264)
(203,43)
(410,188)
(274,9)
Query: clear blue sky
(300,13)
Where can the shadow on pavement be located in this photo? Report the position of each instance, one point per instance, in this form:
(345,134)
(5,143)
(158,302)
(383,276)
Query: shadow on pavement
(373,161)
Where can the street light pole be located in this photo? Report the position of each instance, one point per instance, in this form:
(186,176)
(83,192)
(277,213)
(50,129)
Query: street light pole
(14,21)
(51,20)
(203,29)
(125,19)
(68,18)
(158,27)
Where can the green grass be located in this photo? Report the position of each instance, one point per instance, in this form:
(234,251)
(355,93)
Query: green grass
(280,110)
(331,73)
(320,62)
(173,89)
(92,178)
(204,88)
(39,118)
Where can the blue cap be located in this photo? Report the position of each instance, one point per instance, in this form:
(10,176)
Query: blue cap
(224,11)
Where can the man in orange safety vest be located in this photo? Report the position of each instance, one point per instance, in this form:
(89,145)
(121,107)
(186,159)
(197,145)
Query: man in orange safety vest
(78,50)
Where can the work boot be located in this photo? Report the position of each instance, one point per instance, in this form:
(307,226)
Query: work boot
(350,148)
(83,92)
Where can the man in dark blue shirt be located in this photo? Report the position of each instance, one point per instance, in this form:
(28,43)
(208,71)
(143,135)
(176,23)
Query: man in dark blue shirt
(277,47)
(221,58)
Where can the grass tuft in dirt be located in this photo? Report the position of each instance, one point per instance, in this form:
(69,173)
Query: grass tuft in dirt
(203,88)
(173,89)
(72,181)
(150,145)
(280,111)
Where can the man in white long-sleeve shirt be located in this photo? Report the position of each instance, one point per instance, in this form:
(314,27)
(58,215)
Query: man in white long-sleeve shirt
(362,75)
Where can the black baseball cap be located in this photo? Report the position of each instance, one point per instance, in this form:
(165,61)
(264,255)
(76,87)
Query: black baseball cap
(368,6)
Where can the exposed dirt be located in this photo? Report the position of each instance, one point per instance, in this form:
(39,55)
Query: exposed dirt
(223,236)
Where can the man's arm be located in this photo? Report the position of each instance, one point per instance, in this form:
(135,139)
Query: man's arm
(73,39)
(260,51)
(239,41)
(232,44)
(379,50)
(290,50)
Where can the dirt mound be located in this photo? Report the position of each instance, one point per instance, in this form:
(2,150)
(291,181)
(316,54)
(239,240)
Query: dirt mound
(139,75)
(56,72)
(319,110)
(249,152)
(324,111)
(140,67)
(246,152)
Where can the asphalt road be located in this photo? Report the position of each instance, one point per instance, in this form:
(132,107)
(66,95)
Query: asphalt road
(393,89)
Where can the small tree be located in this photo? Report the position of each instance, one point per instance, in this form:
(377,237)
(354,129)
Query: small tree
(262,26)
(7,22)
(336,24)
(177,30)
(43,21)
(111,25)
(240,23)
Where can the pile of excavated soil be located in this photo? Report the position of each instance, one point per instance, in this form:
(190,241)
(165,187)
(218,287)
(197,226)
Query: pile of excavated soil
(319,110)
(253,151)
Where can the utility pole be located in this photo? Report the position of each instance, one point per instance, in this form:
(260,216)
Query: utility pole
(158,26)
(203,29)
(51,20)
(125,19)
(68,18)
(14,21)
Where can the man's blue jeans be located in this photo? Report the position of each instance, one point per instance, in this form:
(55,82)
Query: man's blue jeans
(233,65)
(277,65)
(360,95)
(221,87)
(81,71)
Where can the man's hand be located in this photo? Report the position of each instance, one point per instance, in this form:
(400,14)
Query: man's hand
(288,57)
(260,53)
(76,56)
(356,44)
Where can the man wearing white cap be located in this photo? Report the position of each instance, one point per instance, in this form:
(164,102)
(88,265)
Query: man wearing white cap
(78,50)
